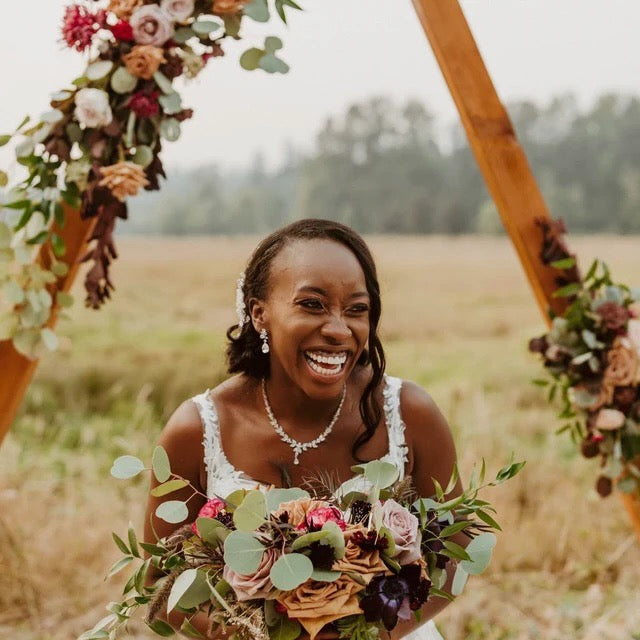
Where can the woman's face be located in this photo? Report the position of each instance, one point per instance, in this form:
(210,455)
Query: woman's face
(316,314)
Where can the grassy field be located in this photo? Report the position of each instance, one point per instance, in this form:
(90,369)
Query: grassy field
(457,315)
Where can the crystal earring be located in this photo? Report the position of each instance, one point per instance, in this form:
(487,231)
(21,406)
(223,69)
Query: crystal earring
(264,336)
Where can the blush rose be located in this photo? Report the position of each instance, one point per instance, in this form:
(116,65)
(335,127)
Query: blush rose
(92,108)
(151,25)
(404,528)
(256,585)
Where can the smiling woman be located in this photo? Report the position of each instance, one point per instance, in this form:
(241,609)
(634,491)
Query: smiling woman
(310,394)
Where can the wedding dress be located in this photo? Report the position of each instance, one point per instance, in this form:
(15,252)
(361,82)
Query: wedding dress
(223,477)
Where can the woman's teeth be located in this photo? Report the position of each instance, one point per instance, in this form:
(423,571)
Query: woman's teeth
(335,362)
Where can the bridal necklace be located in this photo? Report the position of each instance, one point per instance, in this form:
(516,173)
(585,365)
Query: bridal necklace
(300,447)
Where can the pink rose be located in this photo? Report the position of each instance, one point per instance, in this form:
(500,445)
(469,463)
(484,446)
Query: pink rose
(151,25)
(633,333)
(404,528)
(178,10)
(254,585)
(210,510)
(609,419)
(317,517)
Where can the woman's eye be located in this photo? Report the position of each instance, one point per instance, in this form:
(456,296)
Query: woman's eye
(311,304)
(359,308)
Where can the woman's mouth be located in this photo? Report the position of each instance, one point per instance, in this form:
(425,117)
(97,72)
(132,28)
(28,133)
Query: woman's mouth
(325,363)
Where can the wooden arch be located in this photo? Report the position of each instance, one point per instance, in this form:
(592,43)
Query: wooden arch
(498,153)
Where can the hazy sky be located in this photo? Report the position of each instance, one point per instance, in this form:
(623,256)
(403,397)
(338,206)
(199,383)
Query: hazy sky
(341,51)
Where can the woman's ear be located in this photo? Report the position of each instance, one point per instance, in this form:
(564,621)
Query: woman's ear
(257,312)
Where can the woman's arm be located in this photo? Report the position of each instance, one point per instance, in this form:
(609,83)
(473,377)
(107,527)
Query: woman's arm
(433,455)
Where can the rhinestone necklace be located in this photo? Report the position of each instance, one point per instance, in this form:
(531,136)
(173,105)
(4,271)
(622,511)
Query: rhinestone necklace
(300,447)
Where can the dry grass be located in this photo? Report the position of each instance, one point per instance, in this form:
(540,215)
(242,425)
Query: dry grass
(458,314)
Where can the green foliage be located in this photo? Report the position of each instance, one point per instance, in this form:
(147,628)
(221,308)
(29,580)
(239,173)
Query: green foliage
(242,552)
(290,570)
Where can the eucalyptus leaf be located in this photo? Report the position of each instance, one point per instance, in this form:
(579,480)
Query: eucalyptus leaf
(250,59)
(275,497)
(168,487)
(49,339)
(171,103)
(53,116)
(290,570)
(173,511)
(459,580)
(251,513)
(183,34)
(9,323)
(164,83)
(133,541)
(12,292)
(335,538)
(160,464)
(25,148)
(479,550)
(170,129)
(126,467)
(99,69)
(257,10)
(205,27)
(272,44)
(26,341)
(380,474)
(143,155)
(271,64)
(189,590)
(212,530)
(243,552)
(122,81)
(309,538)
(321,575)
(4,179)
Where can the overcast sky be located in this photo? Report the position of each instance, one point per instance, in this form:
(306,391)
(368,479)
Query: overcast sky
(341,51)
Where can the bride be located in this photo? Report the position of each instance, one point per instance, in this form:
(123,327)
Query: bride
(310,391)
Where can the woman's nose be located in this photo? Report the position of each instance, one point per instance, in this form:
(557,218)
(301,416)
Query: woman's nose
(336,329)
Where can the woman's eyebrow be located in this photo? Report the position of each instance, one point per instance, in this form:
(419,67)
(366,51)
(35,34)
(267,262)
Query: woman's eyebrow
(322,292)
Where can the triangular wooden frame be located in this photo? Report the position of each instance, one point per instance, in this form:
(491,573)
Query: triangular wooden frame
(498,153)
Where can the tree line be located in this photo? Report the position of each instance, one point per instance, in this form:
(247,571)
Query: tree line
(382,167)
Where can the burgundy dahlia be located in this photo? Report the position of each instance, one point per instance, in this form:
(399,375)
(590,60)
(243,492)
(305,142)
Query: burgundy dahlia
(122,31)
(79,26)
(371,541)
(144,105)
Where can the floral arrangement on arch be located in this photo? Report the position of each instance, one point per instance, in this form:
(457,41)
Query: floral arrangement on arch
(592,356)
(102,140)
(269,563)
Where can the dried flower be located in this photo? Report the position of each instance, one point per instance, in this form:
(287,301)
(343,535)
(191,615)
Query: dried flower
(151,25)
(227,7)
(144,105)
(123,179)
(143,60)
(124,8)
(614,316)
(92,108)
(122,31)
(79,26)
(178,10)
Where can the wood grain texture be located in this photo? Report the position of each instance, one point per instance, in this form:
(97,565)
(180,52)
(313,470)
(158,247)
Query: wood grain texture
(17,370)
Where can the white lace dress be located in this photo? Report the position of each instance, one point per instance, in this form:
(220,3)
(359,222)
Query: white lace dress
(223,477)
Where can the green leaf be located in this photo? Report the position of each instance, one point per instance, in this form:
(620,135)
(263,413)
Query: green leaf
(205,27)
(212,530)
(189,630)
(290,571)
(309,538)
(170,129)
(243,552)
(140,576)
(250,59)
(271,64)
(160,464)
(565,263)
(284,629)
(25,341)
(257,10)
(251,513)
(126,467)
(143,155)
(118,566)
(120,543)
(454,528)
(4,139)
(189,590)
(321,575)
(171,103)
(13,292)
(272,44)
(49,339)
(39,238)
(380,474)
(479,551)
(567,291)
(64,299)
(173,511)
(122,81)
(4,179)
(485,517)
(183,34)
(456,550)
(232,25)
(627,485)
(275,497)
(459,581)
(99,69)
(153,549)
(168,487)
(133,541)
(161,628)
(17,204)
(335,538)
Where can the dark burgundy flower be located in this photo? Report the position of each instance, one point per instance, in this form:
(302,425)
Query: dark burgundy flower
(604,486)
(144,105)
(173,67)
(370,542)
(589,448)
(122,31)
(624,397)
(388,598)
(614,316)
(79,26)
(538,345)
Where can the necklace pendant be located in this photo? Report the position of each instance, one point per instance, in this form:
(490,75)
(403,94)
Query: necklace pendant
(295,457)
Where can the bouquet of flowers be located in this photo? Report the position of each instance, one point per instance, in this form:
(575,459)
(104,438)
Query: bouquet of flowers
(270,563)
(592,355)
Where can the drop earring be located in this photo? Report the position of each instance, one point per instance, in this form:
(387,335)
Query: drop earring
(264,336)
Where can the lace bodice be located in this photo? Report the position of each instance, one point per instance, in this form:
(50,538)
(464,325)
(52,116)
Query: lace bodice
(223,477)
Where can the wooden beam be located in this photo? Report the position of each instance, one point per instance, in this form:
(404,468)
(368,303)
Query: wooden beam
(498,153)
(16,370)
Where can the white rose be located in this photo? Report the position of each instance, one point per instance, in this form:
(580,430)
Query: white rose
(609,419)
(178,10)
(404,528)
(92,108)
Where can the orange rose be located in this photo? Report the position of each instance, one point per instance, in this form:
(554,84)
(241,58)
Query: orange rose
(123,179)
(144,60)
(124,8)
(622,363)
(227,7)
(364,563)
(315,604)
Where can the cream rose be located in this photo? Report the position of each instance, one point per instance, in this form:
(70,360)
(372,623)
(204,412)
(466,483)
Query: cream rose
(92,108)
(255,585)
(404,528)
(151,25)
(178,10)
(609,419)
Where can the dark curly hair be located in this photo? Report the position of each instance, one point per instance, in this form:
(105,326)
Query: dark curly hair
(243,351)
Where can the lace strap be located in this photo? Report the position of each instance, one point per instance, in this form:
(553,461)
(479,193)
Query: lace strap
(395,424)
(210,429)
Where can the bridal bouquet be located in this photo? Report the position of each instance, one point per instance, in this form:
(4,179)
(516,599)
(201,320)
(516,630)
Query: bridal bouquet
(592,356)
(268,564)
